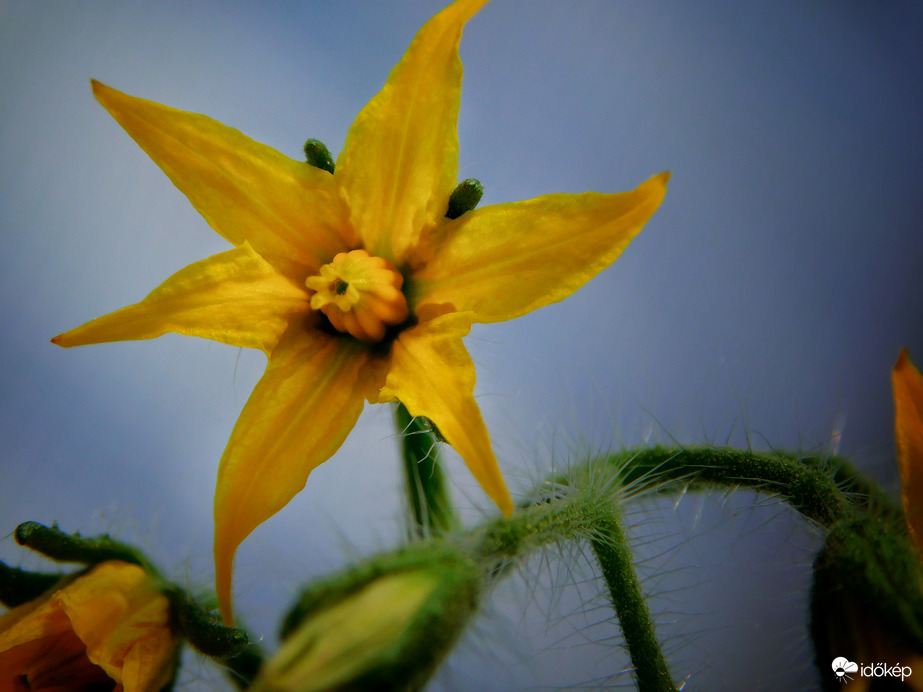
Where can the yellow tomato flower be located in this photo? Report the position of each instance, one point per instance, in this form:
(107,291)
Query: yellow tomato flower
(354,284)
(908,428)
(107,629)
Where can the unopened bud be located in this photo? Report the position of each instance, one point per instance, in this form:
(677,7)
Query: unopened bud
(387,630)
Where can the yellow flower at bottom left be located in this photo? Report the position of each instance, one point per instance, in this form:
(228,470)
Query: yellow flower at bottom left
(107,629)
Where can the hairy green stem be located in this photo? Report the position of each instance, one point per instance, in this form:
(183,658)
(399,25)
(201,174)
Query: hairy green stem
(813,486)
(430,506)
(614,557)
(583,505)
(589,515)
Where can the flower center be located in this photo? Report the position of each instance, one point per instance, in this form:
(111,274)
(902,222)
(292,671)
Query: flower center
(360,294)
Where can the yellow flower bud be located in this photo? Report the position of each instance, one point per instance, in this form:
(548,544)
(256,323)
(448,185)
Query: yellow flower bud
(346,640)
(387,626)
(109,628)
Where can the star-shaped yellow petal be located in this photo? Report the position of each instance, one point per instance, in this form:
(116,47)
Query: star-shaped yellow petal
(908,428)
(354,283)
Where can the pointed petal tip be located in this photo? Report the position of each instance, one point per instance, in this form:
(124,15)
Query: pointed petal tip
(98,87)
(903,359)
(101,92)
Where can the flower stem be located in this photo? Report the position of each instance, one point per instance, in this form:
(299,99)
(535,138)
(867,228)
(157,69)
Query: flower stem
(589,515)
(614,557)
(431,508)
(825,490)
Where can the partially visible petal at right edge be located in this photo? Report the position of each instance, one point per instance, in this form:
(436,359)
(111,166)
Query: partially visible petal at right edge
(235,297)
(503,261)
(432,374)
(908,427)
(298,415)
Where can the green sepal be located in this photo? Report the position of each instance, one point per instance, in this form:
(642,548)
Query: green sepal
(18,586)
(64,547)
(317,155)
(430,505)
(465,197)
(203,630)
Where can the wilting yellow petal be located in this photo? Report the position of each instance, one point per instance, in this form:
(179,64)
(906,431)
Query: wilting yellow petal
(432,375)
(31,621)
(297,416)
(502,261)
(908,427)
(236,298)
(120,614)
(114,617)
(400,160)
(246,191)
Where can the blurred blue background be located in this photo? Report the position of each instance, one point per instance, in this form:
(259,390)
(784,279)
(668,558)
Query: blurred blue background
(764,304)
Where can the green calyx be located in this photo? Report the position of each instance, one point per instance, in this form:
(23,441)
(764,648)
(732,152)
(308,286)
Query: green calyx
(317,155)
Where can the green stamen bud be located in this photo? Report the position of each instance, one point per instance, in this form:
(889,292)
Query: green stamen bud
(318,155)
(464,197)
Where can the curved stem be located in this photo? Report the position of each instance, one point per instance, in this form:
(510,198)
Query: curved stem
(811,485)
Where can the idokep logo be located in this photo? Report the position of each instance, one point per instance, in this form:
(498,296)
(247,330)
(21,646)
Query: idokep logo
(842,667)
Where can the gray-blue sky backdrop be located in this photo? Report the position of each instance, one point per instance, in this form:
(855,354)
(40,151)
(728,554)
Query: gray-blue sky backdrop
(764,303)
